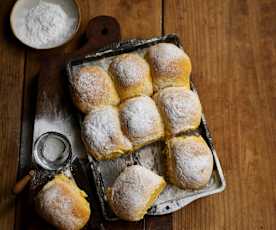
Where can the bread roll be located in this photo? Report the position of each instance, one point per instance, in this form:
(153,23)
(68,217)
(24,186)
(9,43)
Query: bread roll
(170,66)
(102,134)
(189,162)
(63,204)
(131,74)
(91,86)
(134,192)
(141,121)
(180,109)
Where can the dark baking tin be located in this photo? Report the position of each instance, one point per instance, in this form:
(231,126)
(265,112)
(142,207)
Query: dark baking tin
(170,205)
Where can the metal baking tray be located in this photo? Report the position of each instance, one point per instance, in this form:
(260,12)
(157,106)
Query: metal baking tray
(151,156)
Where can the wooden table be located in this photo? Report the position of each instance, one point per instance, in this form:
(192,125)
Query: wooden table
(232,45)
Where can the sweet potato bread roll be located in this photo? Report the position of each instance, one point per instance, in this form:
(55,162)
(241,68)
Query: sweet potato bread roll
(90,87)
(134,192)
(131,74)
(170,66)
(180,109)
(189,162)
(141,121)
(102,134)
(63,204)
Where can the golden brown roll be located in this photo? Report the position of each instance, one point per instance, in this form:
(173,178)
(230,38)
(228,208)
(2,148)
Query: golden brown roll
(134,192)
(102,134)
(63,204)
(91,86)
(189,162)
(131,74)
(180,109)
(141,121)
(170,66)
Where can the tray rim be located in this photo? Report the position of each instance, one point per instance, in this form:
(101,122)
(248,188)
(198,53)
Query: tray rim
(127,46)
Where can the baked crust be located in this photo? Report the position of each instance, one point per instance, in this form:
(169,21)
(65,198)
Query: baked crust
(102,134)
(131,75)
(63,204)
(141,121)
(90,87)
(180,109)
(170,66)
(189,162)
(134,192)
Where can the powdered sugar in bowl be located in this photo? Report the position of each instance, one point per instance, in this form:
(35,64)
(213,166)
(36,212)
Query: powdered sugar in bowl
(45,24)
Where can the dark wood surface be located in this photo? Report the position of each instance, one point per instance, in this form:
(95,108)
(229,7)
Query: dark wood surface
(232,45)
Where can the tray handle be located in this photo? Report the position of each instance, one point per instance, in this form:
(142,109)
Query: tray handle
(101,31)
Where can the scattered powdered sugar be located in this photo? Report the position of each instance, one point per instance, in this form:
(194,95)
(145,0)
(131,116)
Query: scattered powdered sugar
(141,117)
(101,130)
(46,24)
(164,56)
(194,160)
(181,108)
(129,69)
(133,187)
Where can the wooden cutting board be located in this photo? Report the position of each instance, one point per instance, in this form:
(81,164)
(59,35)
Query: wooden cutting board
(55,112)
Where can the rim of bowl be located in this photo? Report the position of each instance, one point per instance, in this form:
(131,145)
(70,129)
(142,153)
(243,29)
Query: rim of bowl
(76,2)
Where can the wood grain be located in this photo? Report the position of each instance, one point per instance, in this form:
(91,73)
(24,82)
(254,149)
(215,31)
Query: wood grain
(232,45)
(138,18)
(11,88)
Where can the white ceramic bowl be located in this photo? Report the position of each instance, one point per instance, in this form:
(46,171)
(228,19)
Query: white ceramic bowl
(70,7)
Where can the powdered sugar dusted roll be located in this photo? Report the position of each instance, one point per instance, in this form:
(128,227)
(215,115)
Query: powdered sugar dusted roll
(189,162)
(131,74)
(170,66)
(180,109)
(90,87)
(102,134)
(141,121)
(63,204)
(134,192)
